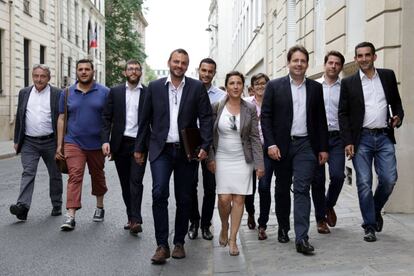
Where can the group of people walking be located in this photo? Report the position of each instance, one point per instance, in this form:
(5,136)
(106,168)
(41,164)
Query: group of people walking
(289,128)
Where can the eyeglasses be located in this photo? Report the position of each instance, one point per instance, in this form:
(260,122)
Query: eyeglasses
(134,69)
(233,125)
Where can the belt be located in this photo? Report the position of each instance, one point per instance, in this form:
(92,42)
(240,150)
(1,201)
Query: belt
(375,131)
(294,138)
(127,138)
(41,137)
(175,145)
(333,133)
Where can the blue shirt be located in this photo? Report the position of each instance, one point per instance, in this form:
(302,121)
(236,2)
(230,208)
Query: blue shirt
(84,116)
(215,94)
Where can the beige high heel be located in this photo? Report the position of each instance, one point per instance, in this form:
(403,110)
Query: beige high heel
(223,239)
(233,249)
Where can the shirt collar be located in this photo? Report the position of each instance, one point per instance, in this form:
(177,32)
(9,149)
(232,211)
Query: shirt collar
(291,81)
(169,81)
(41,91)
(362,74)
(338,81)
(139,86)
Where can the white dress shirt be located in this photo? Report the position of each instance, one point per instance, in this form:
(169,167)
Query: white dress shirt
(331,99)
(131,108)
(174,95)
(299,126)
(375,101)
(38,114)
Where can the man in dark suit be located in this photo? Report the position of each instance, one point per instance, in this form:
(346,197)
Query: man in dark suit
(369,109)
(296,135)
(119,130)
(172,104)
(35,137)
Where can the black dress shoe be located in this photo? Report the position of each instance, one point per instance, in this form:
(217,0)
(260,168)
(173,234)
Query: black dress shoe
(19,211)
(370,235)
(380,223)
(193,231)
(282,236)
(56,211)
(206,233)
(304,247)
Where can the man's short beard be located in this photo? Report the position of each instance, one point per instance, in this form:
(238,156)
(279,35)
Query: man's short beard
(131,81)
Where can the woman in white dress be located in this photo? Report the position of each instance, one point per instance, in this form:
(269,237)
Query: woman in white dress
(235,152)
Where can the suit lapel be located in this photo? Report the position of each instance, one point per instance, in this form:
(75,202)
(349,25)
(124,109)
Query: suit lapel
(26,99)
(243,116)
(357,86)
(308,88)
(384,85)
(123,104)
(289,98)
(184,95)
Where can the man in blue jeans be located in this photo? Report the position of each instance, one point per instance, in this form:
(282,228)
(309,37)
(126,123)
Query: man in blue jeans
(324,205)
(369,110)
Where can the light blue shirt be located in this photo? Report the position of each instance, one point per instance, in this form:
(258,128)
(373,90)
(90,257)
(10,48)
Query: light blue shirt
(331,100)
(215,94)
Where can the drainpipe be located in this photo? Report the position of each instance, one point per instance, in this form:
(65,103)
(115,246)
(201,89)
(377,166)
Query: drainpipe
(11,64)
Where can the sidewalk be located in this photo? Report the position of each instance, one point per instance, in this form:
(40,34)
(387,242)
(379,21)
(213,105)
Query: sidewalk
(342,252)
(6,149)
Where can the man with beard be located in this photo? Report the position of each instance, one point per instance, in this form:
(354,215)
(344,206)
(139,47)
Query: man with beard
(206,72)
(82,144)
(120,125)
(171,105)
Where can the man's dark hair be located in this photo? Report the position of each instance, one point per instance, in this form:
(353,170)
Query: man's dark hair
(132,61)
(337,54)
(180,51)
(257,77)
(84,60)
(231,74)
(209,61)
(365,44)
(296,48)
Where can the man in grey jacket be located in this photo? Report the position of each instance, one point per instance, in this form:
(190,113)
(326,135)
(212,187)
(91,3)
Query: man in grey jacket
(35,137)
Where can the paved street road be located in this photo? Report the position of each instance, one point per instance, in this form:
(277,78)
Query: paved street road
(38,247)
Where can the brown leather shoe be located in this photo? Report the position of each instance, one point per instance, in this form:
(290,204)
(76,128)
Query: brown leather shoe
(135,228)
(331,217)
(178,252)
(262,234)
(323,228)
(162,253)
(250,222)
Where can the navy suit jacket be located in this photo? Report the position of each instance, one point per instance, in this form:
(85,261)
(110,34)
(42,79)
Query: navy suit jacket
(155,122)
(351,110)
(277,115)
(20,127)
(114,115)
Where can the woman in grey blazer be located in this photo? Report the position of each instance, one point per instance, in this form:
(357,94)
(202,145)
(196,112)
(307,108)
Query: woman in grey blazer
(235,152)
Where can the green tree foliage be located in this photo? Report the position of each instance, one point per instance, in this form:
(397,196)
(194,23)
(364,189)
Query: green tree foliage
(122,41)
(149,75)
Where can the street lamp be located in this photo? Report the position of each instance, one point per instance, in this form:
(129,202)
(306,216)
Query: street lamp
(209,29)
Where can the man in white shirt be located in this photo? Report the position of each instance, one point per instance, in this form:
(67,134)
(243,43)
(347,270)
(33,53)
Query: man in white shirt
(35,137)
(119,129)
(324,205)
(369,109)
(206,73)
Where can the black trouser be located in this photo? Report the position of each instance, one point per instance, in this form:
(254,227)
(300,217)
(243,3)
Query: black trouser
(130,175)
(249,199)
(209,185)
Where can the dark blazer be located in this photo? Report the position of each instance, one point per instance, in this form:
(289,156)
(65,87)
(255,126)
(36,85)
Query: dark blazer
(20,128)
(277,115)
(114,115)
(155,122)
(249,132)
(351,110)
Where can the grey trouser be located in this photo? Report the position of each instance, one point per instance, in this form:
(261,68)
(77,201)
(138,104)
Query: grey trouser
(32,150)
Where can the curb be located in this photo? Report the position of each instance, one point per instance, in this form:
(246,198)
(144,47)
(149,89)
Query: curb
(7,155)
